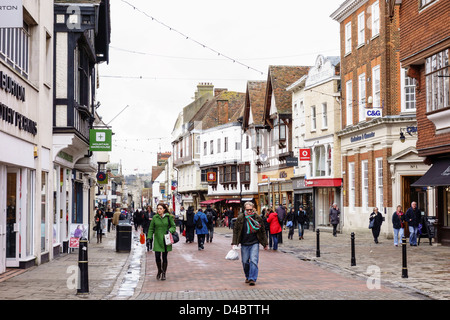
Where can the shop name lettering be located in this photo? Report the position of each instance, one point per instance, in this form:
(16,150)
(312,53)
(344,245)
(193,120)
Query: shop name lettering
(9,8)
(12,117)
(362,137)
(11,86)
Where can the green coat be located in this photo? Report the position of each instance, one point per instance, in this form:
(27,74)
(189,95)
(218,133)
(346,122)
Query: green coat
(157,230)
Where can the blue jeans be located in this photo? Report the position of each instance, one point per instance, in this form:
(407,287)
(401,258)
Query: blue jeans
(412,235)
(250,257)
(398,235)
(274,238)
(300,229)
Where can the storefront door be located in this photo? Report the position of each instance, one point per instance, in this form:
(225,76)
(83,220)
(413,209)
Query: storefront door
(12,215)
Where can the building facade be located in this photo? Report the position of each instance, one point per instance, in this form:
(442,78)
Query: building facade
(26,179)
(424,53)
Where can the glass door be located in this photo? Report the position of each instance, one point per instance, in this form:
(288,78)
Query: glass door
(12,221)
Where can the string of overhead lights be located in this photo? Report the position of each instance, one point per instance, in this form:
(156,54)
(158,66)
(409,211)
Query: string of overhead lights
(191,39)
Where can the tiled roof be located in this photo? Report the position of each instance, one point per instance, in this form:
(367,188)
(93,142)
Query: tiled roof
(255,97)
(213,112)
(279,78)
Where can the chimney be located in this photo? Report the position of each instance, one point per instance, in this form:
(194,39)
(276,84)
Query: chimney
(204,88)
(222,110)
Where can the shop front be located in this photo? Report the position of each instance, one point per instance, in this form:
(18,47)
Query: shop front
(275,188)
(303,197)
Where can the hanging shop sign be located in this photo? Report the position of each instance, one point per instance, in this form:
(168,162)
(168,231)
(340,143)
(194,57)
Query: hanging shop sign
(291,162)
(211,176)
(11,14)
(100,140)
(305,154)
(102,178)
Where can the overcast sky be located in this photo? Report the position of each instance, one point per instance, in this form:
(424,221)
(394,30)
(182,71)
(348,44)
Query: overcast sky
(155,71)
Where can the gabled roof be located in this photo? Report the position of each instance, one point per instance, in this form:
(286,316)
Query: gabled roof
(279,78)
(254,101)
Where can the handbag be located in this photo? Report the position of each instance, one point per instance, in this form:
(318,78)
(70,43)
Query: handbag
(289,224)
(371,223)
(142,238)
(171,238)
(168,239)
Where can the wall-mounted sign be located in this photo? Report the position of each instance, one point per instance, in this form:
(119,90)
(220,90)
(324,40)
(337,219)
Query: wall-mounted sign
(362,137)
(11,14)
(291,162)
(211,176)
(305,154)
(373,113)
(100,140)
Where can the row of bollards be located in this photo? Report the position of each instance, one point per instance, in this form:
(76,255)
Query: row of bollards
(353,254)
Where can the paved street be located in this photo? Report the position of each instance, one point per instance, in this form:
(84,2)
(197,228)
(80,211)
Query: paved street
(291,273)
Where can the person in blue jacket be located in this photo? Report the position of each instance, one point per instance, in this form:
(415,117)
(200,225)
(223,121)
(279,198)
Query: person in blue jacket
(203,231)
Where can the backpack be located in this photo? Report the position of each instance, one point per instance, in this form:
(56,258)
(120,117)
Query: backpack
(199,224)
(209,215)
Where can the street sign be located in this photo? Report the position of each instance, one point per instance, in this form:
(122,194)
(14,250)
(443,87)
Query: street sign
(100,140)
(305,154)
(74,242)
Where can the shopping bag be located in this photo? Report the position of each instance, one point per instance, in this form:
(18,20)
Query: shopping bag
(168,239)
(232,255)
(142,238)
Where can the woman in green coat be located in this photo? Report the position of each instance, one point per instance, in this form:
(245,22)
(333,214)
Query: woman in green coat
(161,222)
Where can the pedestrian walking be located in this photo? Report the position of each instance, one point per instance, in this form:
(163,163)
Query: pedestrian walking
(211,216)
(413,216)
(275,228)
(116,217)
(335,214)
(290,223)
(398,218)
(281,212)
(99,223)
(190,227)
(161,223)
(300,218)
(230,216)
(376,219)
(201,228)
(109,214)
(146,224)
(182,218)
(265,215)
(249,232)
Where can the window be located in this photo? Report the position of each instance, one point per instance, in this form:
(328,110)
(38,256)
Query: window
(218,145)
(15,48)
(351,185)
(348,102)
(348,38)
(225,147)
(408,92)
(329,151)
(361,29)
(313,118)
(279,130)
(319,161)
(247,142)
(197,145)
(244,172)
(211,147)
(424,3)
(376,87)
(362,96)
(228,174)
(205,148)
(379,183)
(324,116)
(437,81)
(365,183)
(375,19)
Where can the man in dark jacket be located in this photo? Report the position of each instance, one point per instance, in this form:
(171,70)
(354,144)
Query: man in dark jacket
(335,214)
(413,216)
(281,211)
(250,233)
(300,217)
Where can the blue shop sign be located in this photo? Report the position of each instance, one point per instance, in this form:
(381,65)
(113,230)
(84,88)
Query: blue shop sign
(363,136)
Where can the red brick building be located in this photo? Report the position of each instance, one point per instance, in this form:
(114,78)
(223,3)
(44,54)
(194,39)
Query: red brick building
(375,109)
(424,52)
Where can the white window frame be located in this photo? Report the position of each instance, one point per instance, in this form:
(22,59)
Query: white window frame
(375,19)
(15,48)
(376,87)
(379,183)
(361,29)
(324,116)
(437,80)
(218,145)
(408,87)
(349,102)
(197,145)
(351,186)
(362,96)
(365,183)
(348,38)
(313,118)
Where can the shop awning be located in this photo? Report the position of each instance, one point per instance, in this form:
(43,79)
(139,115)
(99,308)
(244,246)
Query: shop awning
(437,175)
(233,201)
(211,201)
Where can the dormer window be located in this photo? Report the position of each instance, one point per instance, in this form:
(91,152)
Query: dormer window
(279,131)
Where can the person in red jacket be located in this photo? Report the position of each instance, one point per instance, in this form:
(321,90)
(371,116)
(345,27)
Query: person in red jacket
(275,228)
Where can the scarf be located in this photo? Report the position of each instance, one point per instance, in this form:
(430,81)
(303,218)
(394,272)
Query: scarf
(252,225)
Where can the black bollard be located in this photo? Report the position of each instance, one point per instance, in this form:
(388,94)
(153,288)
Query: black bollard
(83,280)
(318,243)
(353,260)
(404,267)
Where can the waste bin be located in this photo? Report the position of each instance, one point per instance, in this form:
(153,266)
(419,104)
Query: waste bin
(123,237)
